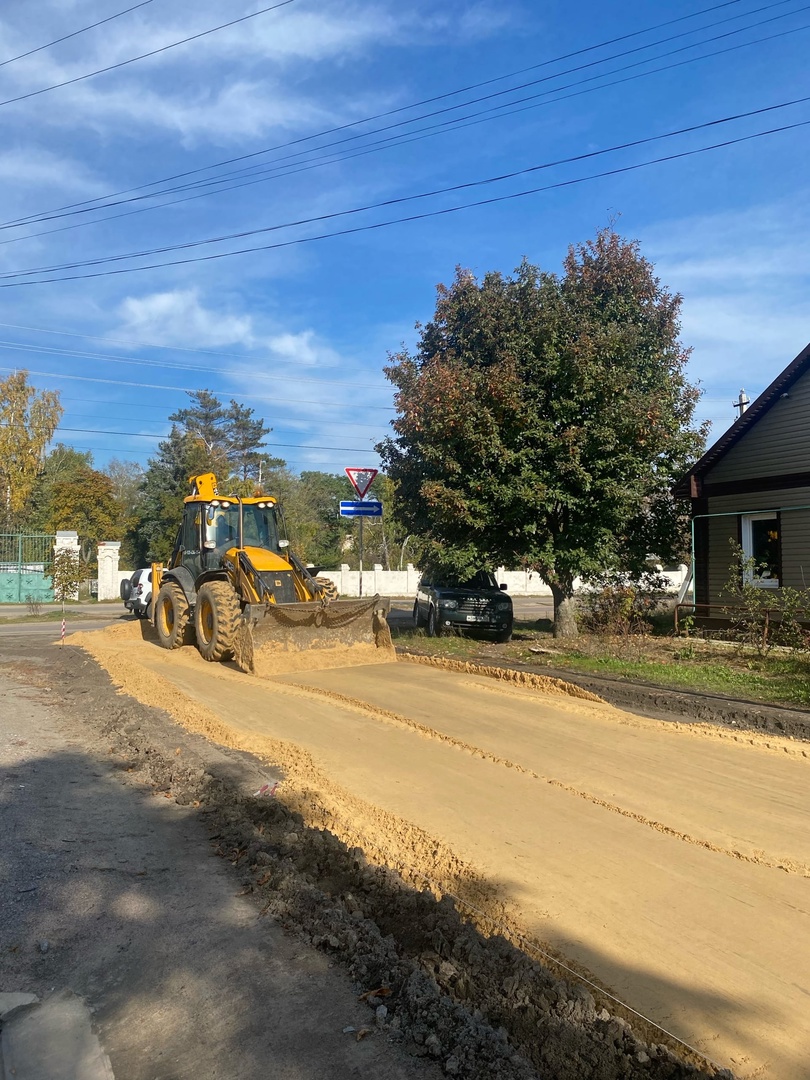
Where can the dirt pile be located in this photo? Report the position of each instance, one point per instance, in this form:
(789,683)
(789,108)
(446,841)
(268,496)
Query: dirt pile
(269,660)
(529,679)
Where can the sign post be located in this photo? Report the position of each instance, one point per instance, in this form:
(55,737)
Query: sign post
(361,480)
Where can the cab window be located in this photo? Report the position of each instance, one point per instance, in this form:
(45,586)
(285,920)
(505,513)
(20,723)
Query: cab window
(191,531)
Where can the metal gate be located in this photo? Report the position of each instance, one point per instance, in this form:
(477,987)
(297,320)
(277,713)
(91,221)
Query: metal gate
(24,562)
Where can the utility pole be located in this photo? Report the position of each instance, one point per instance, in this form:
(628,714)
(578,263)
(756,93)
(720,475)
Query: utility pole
(742,402)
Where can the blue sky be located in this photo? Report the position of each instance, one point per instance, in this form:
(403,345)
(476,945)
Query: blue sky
(301,332)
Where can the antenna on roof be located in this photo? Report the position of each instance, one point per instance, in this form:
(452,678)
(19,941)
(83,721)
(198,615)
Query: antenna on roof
(742,402)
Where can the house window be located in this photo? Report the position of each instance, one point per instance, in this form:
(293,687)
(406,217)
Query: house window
(762,542)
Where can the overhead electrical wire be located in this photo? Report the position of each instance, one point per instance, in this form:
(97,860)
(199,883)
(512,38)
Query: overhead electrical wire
(106,260)
(126,341)
(141,435)
(411,217)
(74,33)
(304,465)
(144,56)
(285,421)
(278,168)
(193,389)
(255,169)
(407,198)
(389,112)
(165,364)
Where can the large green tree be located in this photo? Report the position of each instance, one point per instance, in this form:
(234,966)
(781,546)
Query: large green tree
(159,509)
(127,479)
(71,494)
(205,437)
(543,419)
(229,438)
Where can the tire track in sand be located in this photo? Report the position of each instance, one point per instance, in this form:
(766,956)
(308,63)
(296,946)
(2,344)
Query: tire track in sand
(774,862)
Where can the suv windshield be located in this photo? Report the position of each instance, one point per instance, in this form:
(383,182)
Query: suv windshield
(482,579)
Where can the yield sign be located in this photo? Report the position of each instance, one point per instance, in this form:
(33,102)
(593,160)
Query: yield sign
(361,479)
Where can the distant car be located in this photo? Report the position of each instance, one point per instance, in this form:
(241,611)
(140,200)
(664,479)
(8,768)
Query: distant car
(444,604)
(136,592)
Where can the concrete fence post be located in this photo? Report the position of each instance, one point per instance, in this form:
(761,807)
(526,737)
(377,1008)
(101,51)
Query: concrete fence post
(68,540)
(109,552)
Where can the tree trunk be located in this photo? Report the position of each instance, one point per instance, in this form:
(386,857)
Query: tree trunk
(565,621)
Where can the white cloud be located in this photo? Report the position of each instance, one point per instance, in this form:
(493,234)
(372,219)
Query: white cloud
(303,349)
(178,318)
(193,89)
(232,84)
(238,110)
(40,168)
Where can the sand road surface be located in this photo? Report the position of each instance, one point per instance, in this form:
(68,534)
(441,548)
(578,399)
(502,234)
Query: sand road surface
(671,862)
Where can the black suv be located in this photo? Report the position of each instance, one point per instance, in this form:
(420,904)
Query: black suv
(444,604)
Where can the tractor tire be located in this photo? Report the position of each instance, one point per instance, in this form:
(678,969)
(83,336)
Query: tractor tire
(173,616)
(434,627)
(216,619)
(330,589)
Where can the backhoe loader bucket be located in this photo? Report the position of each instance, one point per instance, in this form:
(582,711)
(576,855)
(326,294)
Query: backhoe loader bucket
(274,638)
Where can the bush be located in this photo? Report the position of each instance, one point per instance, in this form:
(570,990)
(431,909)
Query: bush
(761,618)
(615,604)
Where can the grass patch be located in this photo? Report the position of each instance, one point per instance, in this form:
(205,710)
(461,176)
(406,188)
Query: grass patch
(707,667)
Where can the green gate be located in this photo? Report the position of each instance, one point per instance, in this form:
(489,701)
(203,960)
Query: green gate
(24,562)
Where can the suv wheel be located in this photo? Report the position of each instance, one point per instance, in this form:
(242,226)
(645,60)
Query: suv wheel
(434,627)
(417,618)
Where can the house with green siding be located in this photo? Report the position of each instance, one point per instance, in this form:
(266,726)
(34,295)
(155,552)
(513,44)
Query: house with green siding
(752,487)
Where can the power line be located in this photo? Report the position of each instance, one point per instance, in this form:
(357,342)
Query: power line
(144,56)
(74,33)
(278,169)
(253,170)
(191,390)
(137,453)
(126,341)
(282,422)
(141,435)
(412,217)
(389,112)
(22,346)
(105,260)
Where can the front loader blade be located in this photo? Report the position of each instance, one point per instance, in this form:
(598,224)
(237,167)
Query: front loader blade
(273,630)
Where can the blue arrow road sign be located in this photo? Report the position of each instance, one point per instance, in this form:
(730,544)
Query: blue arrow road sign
(361,509)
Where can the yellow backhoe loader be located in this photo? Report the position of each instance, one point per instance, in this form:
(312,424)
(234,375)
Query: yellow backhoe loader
(233,583)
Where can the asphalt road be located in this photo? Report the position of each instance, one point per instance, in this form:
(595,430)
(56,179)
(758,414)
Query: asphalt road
(96,616)
(111,894)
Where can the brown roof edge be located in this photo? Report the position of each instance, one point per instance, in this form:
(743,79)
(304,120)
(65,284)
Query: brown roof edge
(690,482)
